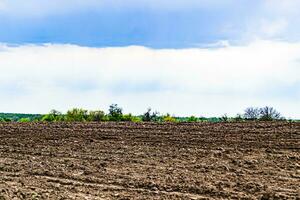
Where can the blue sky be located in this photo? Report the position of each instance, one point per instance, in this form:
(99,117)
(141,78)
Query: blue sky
(209,56)
(152,23)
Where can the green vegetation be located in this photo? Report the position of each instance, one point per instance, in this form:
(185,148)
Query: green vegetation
(150,116)
(54,115)
(130,118)
(115,113)
(77,115)
(192,119)
(24,120)
(16,116)
(169,118)
(97,116)
(7,117)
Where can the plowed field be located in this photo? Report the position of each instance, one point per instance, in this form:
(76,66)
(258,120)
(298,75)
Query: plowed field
(253,160)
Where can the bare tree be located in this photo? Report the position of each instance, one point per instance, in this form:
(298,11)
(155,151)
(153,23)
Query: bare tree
(269,114)
(252,113)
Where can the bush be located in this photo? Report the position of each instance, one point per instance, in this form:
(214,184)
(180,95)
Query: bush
(24,120)
(130,118)
(192,119)
(224,118)
(238,118)
(97,116)
(48,118)
(53,115)
(169,118)
(115,113)
(77,114)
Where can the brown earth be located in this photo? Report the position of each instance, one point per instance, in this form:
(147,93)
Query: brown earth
(150,161)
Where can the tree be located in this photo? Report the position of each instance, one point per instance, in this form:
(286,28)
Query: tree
(5,119)
(150,116)
(269,114)
(53,115)
(115,113)
(252,113)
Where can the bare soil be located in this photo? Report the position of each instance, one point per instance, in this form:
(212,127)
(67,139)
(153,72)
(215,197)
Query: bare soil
(247,160)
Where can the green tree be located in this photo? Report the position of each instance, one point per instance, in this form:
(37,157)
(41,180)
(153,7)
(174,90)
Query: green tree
(150,116)
(5,119)
(115,113)
(53,115)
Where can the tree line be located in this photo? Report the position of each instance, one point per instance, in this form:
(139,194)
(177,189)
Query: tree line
(115,113)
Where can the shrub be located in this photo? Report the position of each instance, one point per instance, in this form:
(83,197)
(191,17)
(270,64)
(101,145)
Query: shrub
(224,118)
(53,115)
(24,120)
(97,116)
(203,119)
(238,118)
(169,118)
(77,114)
(115,113)
(192,119)
(48,118)
(130,118)
(136,119)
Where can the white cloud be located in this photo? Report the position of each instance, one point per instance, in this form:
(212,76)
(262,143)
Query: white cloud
(188,81)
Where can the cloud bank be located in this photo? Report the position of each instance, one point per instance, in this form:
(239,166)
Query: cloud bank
(197,81)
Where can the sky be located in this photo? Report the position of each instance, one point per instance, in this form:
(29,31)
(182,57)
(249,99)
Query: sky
(184,57)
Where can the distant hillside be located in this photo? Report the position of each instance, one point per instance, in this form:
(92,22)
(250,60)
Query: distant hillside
(18,116)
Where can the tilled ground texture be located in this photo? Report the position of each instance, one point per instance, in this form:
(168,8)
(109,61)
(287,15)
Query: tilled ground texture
(254,160)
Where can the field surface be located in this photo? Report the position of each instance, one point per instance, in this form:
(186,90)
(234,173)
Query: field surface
(150,161)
